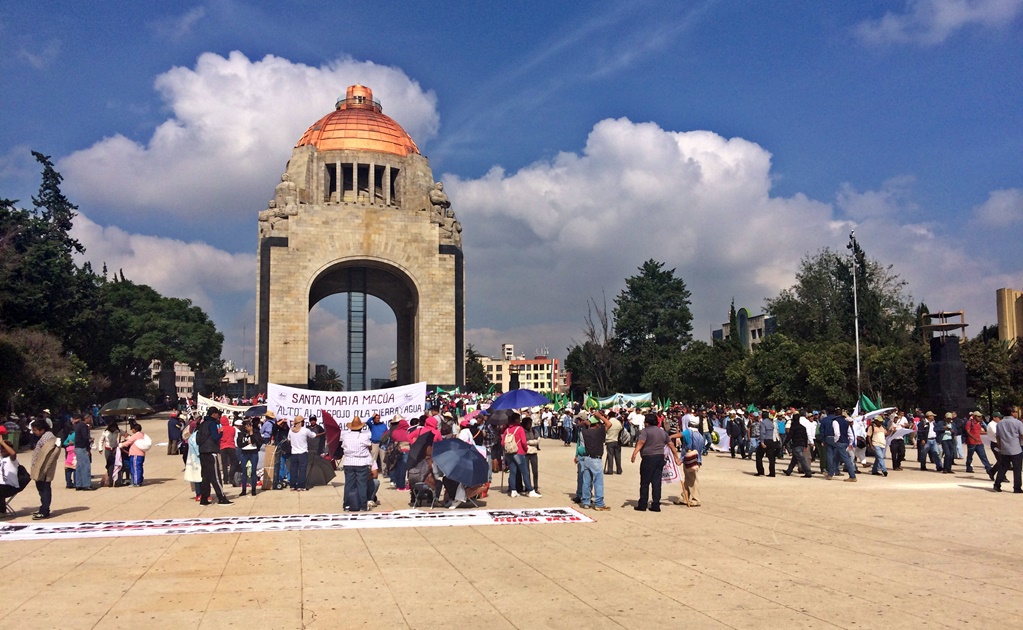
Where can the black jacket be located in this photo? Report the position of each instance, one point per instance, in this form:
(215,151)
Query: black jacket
(796,435)
(208,438)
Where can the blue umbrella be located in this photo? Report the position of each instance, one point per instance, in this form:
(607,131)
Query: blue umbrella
(460,462)
(519,398)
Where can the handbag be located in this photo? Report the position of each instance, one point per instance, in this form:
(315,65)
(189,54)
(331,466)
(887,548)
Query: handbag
(144,443)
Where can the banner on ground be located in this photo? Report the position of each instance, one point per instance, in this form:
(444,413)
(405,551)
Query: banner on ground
(290,522)
(405,401)
(629,401)
(203,403)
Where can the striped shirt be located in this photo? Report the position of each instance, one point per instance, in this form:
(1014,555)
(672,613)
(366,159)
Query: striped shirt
(356,445)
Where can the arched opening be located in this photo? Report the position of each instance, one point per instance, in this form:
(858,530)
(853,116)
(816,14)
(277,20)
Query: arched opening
(328,338)
(361,315)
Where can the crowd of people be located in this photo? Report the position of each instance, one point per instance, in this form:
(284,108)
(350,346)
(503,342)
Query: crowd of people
(253,453)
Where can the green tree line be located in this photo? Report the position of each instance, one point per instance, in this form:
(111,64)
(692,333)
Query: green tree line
(645,344)
(70,336)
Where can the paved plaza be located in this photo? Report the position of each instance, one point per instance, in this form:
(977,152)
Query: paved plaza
(913,550)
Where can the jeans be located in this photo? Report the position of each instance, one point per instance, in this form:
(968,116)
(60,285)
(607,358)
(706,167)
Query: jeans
(981,454)
(840,453)
(948,447)
(355,488)
(83,468)
(534,469)
(229,461)
(135,465)
(281,471)
(707,441)
(879,455)
(614,457)
(798,458)
(593,481)
(45,495)
(517,466)
(650,469)
(928,448)
(298,464)
(249,465)
(752,446)
(398,473)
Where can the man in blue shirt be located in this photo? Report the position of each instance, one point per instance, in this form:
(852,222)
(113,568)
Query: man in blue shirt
(377,428)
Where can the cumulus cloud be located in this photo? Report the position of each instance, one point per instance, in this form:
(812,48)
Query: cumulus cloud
(233,124)
(1003,209)
(193,270)
(931,22)
(541,241)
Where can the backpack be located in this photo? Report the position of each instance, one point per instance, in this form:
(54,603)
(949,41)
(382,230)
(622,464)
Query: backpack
(511,446)
(23,477)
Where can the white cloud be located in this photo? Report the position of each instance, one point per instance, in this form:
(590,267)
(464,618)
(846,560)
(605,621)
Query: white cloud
(1003,208)
(931,22)
(41,58)
(193,270)
(176,27)
(233,124)
(539,242)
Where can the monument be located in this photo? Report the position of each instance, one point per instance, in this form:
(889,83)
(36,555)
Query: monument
(357,211)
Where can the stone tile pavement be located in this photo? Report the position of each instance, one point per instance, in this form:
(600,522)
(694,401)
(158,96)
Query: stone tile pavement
(913,550)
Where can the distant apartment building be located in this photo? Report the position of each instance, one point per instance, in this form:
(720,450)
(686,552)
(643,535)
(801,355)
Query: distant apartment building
(179,380)
(541,373)
(752,328)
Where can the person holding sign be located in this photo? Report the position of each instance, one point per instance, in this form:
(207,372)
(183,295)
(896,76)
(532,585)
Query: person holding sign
(650,445)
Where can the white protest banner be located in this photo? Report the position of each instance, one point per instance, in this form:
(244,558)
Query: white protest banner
(899,434)
(288,402)
(290,522)
(670,472)
(203,403)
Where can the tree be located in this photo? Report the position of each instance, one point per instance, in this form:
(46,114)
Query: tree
(593,363)
(332,381)
(45,288)
(144,325)
(475,376)
(988,364)
(820,305)
(652,323)
(35,371)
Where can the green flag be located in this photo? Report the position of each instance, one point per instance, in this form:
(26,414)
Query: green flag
(867,405)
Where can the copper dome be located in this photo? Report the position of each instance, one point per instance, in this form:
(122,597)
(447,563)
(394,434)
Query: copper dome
(358,124)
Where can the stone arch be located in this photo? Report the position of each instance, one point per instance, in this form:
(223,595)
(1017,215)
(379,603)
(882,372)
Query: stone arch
(392,284)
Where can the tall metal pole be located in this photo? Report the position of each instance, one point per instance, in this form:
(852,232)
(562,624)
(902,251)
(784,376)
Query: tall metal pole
(856,310)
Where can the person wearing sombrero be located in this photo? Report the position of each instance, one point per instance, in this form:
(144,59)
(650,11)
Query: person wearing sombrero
(356,463)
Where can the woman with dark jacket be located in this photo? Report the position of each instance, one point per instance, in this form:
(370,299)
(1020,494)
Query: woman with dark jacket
(249,441)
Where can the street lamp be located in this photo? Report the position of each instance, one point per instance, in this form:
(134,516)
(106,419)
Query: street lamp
(854,247)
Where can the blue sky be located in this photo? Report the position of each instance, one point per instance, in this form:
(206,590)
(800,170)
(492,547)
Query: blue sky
(727,139)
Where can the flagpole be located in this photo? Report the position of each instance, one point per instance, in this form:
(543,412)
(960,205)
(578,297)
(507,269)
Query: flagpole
(856,309)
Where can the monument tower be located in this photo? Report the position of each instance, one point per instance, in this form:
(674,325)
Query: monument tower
(357,211)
